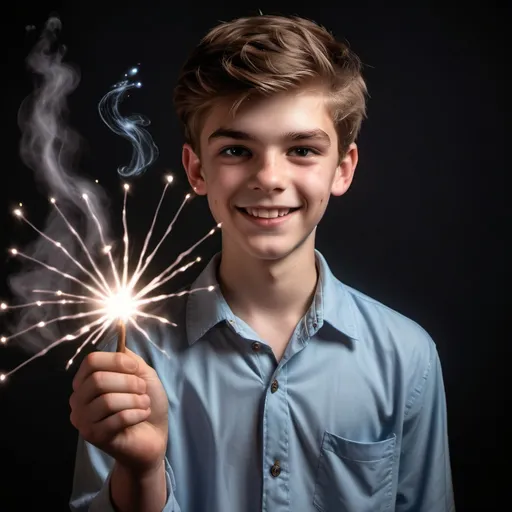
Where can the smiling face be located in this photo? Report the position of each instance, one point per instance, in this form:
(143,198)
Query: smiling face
(269,171)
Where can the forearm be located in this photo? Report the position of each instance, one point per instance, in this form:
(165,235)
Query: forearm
(133,493)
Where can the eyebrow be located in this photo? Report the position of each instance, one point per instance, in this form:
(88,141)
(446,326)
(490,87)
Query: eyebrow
(316,134)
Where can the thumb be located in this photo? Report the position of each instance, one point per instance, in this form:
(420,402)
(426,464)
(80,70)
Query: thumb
(143,370)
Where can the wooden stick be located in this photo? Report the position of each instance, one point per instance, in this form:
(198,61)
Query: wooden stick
(121,336)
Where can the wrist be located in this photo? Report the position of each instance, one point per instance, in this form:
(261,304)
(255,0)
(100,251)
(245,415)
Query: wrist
(134,490)
(141,472)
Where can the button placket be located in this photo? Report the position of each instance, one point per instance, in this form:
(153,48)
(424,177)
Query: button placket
(276,441)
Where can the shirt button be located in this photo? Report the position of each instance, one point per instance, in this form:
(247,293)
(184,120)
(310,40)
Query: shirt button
(274,386)
(256,346)
(315,325)
(275,470)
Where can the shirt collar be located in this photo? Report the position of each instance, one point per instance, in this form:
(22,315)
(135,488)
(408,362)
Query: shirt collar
(332,303)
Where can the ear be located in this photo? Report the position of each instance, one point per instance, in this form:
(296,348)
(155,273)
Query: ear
(345,171)
(192,165)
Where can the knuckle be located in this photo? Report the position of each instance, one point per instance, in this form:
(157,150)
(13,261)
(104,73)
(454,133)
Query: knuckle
(138,385)
(109,402)
(105,402)
(119,358)
(142,401)
(89,360)
(130,384)
(124,363)
(124,416)
(98,380)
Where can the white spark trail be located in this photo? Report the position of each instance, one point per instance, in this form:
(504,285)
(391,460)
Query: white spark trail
(41,353)
(74,232)
(43,323)
(146,335)
(41,303)
(159,280)
(151,228)
(65,294)
(137,275)
(93,290)
(102,238)
(125,238)
(93,337)
(19,214)
(159,298)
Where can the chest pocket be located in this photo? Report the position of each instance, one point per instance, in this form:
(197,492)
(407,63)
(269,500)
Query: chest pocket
(354,476)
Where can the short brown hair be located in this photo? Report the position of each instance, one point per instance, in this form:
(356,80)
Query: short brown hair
(264,55)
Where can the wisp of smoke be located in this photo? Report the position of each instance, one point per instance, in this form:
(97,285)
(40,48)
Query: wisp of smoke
(144,150)
(49,146)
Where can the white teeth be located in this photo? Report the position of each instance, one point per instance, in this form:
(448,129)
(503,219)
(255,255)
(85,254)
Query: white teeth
(267,213)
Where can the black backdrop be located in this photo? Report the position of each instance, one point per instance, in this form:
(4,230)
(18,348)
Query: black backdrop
(422,228)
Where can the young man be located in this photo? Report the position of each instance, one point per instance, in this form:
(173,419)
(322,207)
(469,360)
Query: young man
(285,390)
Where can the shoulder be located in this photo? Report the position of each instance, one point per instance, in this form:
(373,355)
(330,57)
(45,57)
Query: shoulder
(401,348)
(375,327)
(388,332)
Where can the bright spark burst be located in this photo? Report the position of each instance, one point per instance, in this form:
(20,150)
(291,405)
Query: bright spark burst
(106,304)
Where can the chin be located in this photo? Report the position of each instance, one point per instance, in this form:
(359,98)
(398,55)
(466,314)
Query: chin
(274,250)
(269,254)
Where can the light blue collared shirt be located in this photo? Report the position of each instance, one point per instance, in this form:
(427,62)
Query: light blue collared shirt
(352,419)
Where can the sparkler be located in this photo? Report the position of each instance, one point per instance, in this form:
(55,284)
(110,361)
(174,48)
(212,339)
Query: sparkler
(114,298)
(120,301)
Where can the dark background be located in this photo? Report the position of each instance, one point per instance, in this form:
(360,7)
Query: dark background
(422,228)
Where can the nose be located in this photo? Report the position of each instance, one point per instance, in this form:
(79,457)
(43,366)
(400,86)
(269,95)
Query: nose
(270,175)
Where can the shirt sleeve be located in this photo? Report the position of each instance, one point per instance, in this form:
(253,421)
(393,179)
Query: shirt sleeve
(91,481)
(424,480)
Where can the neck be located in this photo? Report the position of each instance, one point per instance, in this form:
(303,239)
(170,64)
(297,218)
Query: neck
(273,289)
